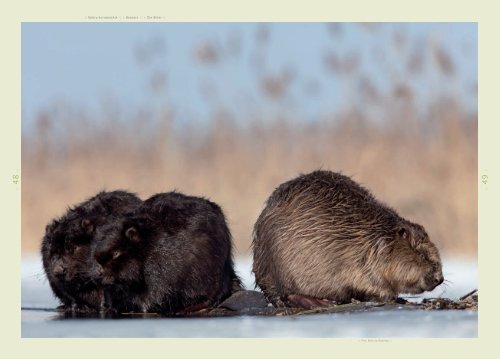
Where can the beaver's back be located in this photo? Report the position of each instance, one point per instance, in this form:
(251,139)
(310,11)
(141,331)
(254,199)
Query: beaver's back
(315,231)
(197,235)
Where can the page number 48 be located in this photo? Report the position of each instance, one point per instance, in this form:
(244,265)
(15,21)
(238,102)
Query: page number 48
(15,179)
(484,179)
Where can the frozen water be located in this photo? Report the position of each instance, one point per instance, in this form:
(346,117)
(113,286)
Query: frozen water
(379,323)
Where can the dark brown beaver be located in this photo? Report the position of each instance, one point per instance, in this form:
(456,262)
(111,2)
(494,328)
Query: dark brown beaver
(172,254)
(322,237)
(66,248)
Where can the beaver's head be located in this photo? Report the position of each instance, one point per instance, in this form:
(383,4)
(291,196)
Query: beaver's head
(65,246)
(119,252)
(413,264)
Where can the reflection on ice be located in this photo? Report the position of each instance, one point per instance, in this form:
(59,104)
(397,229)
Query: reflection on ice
(462,277)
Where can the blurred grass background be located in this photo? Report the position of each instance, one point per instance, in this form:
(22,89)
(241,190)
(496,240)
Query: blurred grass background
(420,158)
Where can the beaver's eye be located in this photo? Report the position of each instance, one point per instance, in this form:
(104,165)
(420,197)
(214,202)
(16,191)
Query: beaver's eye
(116,254)
(422,256)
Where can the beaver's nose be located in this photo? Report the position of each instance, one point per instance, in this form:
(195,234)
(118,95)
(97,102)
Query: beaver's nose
(98,272)
(438,278)
(59,269)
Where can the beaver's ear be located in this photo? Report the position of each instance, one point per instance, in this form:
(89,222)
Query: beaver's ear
(405,233)
(133,234)
(87,226)
(402,233)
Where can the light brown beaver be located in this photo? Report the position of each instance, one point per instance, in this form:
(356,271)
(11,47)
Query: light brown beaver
(322,237)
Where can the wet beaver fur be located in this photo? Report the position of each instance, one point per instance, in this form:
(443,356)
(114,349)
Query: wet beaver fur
(66,247)
(322,237)
(173,254)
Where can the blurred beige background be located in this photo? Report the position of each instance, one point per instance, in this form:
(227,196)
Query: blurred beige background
(418,156)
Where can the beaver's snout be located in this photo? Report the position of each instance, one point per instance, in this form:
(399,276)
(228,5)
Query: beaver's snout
(59,269)
(439,279)
(434,280)
(97,273)
(101,276)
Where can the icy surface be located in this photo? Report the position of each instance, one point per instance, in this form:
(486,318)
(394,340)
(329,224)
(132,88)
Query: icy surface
(379,323)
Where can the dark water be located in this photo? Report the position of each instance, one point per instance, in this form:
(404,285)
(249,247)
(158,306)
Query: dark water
(38,319)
